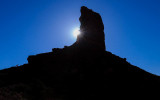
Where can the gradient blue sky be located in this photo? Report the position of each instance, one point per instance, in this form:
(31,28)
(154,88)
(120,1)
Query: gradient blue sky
(29,27)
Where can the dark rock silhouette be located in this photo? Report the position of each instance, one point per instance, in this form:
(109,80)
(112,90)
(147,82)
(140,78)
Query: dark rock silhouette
(92,32)
(82,71)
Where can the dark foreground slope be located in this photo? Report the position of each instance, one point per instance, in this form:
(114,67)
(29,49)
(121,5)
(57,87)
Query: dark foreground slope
(83,71)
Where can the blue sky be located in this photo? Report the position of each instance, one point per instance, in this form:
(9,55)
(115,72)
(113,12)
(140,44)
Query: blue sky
(29,27)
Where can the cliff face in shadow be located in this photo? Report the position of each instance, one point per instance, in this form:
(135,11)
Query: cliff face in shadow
(82,71)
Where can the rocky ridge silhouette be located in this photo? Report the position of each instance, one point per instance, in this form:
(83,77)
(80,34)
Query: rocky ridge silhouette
(82,71)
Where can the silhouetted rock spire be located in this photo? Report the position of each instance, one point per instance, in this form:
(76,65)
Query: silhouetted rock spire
(92,31)
(83,71)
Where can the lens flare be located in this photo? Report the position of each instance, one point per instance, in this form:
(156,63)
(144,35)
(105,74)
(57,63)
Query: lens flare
(76,32)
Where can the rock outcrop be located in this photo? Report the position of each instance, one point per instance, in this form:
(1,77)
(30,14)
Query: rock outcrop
(82,71)
(92,37)
(90,42)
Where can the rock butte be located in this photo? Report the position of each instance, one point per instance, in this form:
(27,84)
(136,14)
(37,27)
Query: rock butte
(82,71)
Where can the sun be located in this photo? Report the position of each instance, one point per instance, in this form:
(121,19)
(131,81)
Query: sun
(76,32)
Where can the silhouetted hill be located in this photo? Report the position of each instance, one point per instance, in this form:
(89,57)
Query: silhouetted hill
(82,71)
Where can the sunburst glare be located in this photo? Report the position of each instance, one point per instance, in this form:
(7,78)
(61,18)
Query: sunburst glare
(76,32)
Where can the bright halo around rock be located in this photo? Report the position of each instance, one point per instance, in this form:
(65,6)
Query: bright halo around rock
(76,32)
